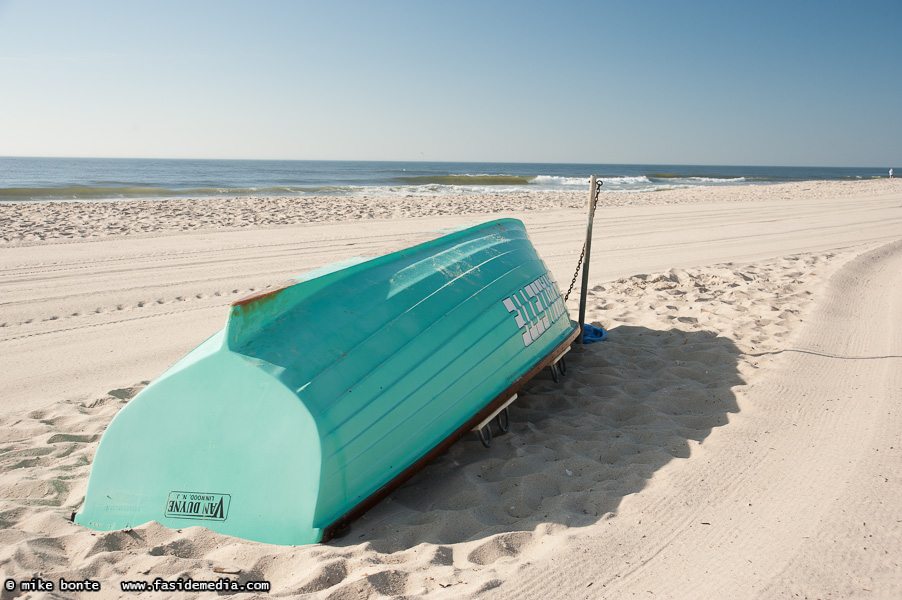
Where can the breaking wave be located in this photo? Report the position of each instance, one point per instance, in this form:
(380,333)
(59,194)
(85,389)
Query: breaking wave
(467,179)
(137,193)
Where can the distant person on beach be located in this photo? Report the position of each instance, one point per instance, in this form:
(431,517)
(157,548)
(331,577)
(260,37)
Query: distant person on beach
(890,173)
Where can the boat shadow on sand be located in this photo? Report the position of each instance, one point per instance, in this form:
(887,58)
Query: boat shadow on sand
(626,407)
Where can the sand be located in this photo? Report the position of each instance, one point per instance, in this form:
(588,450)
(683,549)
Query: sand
(739,434)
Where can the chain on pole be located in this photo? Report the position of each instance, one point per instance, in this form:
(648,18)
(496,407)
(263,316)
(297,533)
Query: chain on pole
(582,254)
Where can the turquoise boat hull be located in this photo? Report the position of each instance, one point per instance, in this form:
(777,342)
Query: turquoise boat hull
(320,397)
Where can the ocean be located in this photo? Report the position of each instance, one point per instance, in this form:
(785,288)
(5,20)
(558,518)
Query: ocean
(96,179)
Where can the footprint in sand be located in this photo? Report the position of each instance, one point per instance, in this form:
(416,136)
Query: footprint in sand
(506,545)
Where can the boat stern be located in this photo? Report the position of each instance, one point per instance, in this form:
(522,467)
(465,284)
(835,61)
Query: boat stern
(217,442)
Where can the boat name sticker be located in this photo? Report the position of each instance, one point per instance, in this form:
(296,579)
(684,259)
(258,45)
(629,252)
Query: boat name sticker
(535,307)
(198,505)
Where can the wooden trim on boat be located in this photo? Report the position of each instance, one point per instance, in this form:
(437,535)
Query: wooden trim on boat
(376,497)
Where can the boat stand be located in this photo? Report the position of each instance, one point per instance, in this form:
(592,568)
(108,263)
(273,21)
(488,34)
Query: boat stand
(559,366)
(503,420)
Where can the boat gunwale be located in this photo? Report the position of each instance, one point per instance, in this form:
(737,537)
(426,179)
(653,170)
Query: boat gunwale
(336,527)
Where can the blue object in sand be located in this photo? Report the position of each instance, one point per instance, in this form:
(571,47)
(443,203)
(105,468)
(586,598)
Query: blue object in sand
(592,334)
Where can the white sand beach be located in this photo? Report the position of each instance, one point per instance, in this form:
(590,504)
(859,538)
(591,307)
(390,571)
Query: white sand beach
(738,435)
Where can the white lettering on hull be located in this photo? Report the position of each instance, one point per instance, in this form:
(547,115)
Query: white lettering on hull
(535,307)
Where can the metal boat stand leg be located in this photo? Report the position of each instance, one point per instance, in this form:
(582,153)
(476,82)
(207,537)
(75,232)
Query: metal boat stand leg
(485,436)
(559,366)
(504,421)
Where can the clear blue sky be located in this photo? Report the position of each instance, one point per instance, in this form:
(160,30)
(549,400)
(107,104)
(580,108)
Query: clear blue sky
(628,81)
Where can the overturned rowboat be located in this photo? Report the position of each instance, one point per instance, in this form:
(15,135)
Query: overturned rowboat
(321,397)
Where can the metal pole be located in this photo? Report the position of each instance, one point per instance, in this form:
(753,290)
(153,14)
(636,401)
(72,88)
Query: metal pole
(585,288)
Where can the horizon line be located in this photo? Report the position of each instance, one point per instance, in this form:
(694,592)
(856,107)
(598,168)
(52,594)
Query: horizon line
(505,162)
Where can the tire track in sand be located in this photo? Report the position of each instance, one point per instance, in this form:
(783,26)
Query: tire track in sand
(773,502)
